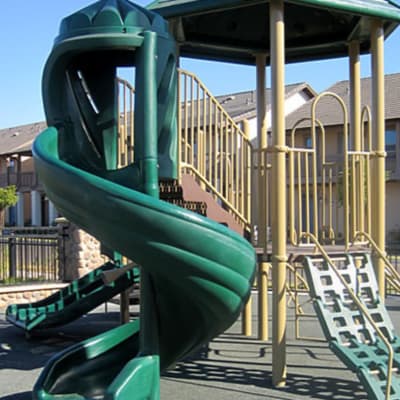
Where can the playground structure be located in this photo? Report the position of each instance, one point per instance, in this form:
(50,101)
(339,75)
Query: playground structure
(304,197)
(296,183)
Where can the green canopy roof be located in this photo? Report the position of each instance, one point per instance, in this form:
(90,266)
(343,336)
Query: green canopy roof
(235,30)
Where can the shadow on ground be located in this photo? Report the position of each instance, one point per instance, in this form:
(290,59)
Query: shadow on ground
(21,353)
(18,396)
(255,372)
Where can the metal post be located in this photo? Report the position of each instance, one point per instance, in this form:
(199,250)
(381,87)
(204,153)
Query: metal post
(247,311)
(378,166)
(262,197)
(146,69)
(279,258)
(124,306)
(355,132)
(12,257)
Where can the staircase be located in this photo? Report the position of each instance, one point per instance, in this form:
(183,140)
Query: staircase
(214,163)
(172,192)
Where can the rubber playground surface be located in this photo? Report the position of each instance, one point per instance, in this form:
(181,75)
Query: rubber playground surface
(230,367)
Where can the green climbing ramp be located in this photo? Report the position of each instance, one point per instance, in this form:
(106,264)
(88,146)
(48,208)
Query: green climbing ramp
(78,298)
(351,337)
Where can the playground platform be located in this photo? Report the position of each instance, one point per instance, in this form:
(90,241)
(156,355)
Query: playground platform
(230,367)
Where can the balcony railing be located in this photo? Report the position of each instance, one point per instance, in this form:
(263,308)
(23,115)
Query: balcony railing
(24,181)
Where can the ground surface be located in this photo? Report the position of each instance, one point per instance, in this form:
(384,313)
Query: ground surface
(230,367)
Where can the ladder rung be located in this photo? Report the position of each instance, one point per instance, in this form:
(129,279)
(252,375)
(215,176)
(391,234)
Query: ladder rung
(377,371)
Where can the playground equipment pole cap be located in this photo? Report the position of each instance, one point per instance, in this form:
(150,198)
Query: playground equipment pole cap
(110,17)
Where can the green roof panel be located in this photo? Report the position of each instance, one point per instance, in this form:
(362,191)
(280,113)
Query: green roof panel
(384,9)
(235,30)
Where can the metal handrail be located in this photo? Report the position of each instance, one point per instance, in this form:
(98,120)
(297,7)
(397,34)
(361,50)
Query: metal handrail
(126,134)
(391,273)
(213,147)
(215,193)
(362,308)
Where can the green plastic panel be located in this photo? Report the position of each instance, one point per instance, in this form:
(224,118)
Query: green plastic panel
(376,8)
(235,30)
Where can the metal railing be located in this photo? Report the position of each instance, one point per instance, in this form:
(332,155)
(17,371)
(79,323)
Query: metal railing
(213,147)
(28,255)
(392,276)
(22,180)
(126,126)
(329,196)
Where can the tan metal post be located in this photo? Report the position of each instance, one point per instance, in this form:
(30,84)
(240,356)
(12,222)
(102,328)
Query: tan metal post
(247,311)
(178,117)
(378,168)
(355,132)
(279,258)
(262,197)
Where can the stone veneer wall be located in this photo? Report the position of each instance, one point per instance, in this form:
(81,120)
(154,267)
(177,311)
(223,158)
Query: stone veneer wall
(80,255)
(81,252)
(22,294)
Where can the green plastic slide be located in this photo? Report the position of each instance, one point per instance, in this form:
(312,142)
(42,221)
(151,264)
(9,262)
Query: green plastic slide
(195,274)
(79,297)
(201,272)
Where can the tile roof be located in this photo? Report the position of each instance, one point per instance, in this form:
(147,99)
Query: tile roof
(244,104)
(329,112)
(19,139)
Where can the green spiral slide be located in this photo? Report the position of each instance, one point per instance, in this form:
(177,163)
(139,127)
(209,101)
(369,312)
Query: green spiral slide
(195,273)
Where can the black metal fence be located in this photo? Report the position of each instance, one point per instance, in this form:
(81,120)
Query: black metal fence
(393,255)
(31,254)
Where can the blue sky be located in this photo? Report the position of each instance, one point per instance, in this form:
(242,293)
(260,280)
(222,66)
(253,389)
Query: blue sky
(28,28)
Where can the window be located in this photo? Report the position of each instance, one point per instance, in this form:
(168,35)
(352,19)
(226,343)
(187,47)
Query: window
(390,142)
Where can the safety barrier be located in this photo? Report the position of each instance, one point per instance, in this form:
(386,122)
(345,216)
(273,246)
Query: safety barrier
(212,147)
(329,195)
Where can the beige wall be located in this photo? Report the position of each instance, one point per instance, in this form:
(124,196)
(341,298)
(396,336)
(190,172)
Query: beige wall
(392,206)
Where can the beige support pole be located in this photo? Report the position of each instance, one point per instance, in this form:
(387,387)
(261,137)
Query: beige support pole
(355,132)
(247,318)
(247,311)
(262,197)
(378,167)
(279,258)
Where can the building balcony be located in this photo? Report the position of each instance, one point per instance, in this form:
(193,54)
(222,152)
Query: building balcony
(24,181)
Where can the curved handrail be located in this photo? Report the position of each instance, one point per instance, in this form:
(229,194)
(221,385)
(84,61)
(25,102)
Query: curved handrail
(214,146)
(395,276)
(362,308)
(345,152)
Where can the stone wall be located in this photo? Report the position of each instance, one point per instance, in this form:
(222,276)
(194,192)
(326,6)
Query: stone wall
(22,294)
(81,252)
